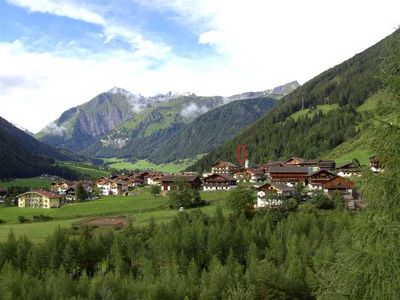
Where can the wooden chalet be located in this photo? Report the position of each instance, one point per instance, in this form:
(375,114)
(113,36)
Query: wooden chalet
(224,167)
(316,179)
(270,164)
(348,169)
(265,191)
(340,184)
(219,182)
(168,181)
(242,175)
(320,163)
(291,174)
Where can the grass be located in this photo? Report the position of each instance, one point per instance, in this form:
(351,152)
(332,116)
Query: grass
(34,182)
(325,108)
(141,208)
(372,103)
(173,167)
(87,171)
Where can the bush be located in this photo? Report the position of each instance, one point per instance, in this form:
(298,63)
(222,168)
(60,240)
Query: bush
(241,201)
(155,190)
(323,202)
(22,219)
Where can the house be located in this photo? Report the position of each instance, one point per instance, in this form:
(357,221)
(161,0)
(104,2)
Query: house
(118,188)
(154,179)
(319,164)
(270,164)
(348,169)
(224,167)
(39,199)
(257,174)
(265,191)
(315,180)
(219,182)
(291,174)
(338,184)
(375,164)
(242,175)
(70,195)
(61,187)
(168,181)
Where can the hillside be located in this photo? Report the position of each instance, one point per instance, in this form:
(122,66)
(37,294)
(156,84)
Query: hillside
(23,156)
(80,126)
(286,132)
(210,130)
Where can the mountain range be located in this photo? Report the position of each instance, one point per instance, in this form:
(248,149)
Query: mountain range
(118,123)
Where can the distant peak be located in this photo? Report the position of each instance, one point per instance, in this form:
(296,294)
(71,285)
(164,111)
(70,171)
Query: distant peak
(118,90)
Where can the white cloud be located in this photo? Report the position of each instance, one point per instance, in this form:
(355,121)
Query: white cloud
(193,110)
(258,45)
(61,8)
(93,14)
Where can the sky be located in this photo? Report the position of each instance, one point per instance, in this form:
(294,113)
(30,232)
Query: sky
(58,54)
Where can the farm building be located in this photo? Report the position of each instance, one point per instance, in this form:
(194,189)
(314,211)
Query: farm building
(168,181)
(273,188)
(348,169)
(340,184)
(315,180)
(224,167)
(219,182)
(291,174)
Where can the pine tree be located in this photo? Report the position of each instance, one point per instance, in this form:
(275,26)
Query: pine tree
(369,267)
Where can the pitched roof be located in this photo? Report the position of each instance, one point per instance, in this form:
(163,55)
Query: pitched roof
(229,164)
(288,169)
(47,194)
(226,176)
(278,185)
(172,178)
(320,171)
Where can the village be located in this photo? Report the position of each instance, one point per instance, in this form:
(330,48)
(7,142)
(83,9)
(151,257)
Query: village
(280,178)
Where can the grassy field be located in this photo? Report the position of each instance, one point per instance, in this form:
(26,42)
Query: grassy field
(141,208)
(310,113)
(34,182)
(173,167)
(87,171)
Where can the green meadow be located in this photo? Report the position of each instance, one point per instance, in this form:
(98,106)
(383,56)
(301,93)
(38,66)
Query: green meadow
(172,167)
(141,208)
(34,182)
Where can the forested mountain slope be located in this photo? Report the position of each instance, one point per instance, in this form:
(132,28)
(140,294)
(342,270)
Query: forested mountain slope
(277,135)
(23,156)
(210,130)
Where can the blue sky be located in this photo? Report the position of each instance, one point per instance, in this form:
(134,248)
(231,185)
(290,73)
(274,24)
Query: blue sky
(56,54)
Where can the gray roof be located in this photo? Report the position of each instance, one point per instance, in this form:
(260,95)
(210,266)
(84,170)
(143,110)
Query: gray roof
(227,163)
(226,176)
(173,178)
(288,169)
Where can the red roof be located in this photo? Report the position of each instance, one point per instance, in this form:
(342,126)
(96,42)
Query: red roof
(47,194)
